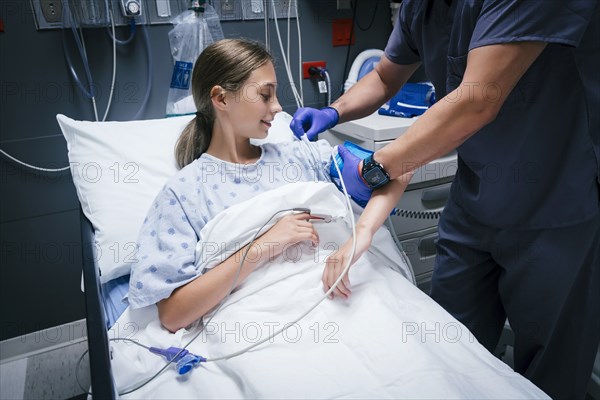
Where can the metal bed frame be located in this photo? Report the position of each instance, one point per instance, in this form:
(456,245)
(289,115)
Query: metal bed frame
(103,385)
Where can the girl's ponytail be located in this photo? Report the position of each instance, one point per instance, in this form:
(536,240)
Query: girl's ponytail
(194,139)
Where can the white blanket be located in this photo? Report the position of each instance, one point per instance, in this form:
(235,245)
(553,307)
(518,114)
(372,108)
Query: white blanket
(388,340)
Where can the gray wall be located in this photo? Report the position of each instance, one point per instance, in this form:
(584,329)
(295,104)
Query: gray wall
(40,263)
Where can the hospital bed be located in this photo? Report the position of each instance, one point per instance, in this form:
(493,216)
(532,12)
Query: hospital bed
(117,168)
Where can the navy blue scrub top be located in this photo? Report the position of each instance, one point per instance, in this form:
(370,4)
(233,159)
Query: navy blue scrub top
(537,164)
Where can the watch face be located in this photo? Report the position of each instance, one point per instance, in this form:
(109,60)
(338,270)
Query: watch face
(375,177)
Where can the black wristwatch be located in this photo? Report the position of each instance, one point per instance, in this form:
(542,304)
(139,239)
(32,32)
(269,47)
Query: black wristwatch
(374,173)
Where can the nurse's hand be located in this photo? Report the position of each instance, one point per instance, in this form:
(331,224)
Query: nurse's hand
(336,262)
(355,184)
(312,121)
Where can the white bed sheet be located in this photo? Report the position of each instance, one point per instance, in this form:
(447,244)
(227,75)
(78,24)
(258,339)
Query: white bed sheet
(389,340)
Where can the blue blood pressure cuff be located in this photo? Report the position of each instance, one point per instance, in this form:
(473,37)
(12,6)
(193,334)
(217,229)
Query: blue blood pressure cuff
(412,100)
(358,151)
(355,149)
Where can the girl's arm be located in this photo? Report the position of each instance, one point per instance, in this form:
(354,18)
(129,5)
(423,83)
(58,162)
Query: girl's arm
(193,300)
(378,208)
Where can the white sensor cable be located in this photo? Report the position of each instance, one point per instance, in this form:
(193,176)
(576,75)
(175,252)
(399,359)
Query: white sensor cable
(288,325)
(326,295)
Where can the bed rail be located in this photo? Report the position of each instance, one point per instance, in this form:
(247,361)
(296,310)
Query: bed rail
(103,386)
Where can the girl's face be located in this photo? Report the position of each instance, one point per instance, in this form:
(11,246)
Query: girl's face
(254,106)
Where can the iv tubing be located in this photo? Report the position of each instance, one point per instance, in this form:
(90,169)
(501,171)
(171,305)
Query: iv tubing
(300,77)
(33,166)
(87,65)
(150,73)
(114,74)
(132,31)
(299,100)
(266,15)
(90,93)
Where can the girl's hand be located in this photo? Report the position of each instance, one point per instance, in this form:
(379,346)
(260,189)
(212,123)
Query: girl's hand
(337,261)
(289,230)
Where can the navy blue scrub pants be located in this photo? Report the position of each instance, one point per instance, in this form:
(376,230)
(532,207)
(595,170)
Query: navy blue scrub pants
(547,282)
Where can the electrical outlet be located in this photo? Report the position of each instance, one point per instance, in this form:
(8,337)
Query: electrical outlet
(253,9)
(282,7)
(51,10)
(163,8)
(227,7)
(306,66)
(228,10)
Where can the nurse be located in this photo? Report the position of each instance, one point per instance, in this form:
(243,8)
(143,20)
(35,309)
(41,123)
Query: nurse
(519,89)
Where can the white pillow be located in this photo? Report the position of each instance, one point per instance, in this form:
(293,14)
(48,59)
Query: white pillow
(118,169)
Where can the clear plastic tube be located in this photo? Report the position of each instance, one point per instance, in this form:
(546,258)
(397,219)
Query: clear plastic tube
(150,74)
(299,100)
(132,31)
(88,94)
(114,74)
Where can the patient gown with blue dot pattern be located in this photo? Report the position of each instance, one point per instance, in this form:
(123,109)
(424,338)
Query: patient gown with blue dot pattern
(195,195)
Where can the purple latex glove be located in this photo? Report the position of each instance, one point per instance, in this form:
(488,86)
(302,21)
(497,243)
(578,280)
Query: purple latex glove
(355,185)
(312,121)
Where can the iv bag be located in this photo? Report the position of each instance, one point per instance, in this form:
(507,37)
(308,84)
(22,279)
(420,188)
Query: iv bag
(190,36)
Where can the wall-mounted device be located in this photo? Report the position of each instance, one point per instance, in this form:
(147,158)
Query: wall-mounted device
(51,10)
(89,13)
(55,14)
(255,9)
(131,8)
(95,13)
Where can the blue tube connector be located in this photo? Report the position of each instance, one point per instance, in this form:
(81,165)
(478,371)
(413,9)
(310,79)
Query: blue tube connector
(183,359)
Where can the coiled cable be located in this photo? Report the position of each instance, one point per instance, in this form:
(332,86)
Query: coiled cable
(420,214)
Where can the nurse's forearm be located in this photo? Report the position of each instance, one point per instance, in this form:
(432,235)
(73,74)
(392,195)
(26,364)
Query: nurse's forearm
(362,99)
(382,203)
(444,127)
(464,111)
(374,89)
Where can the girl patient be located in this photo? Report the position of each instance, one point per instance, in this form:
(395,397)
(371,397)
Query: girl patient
(234,90)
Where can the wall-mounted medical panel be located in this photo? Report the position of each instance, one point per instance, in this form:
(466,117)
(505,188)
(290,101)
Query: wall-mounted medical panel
(54,14)
(255,9)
